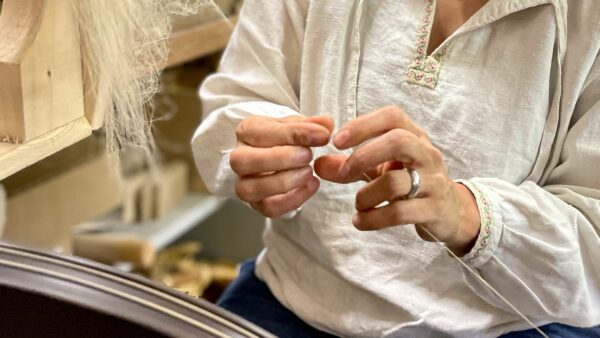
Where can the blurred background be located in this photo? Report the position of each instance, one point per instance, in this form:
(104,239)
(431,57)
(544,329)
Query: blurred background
(158,223)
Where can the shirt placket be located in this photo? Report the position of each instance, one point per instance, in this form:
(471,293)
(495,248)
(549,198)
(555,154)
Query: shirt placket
(424,69)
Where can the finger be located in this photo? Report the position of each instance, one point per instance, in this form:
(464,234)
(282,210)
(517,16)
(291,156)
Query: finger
(328,167)
(325,121)
(245,160)
(254,189)
(414,211)
(291,118)
(279,205)
(388,187)
(395,145)
(374,124)
(267,132)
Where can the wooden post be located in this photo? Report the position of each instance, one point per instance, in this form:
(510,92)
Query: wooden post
(41,85)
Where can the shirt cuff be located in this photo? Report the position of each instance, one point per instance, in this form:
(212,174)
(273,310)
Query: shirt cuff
(491,225)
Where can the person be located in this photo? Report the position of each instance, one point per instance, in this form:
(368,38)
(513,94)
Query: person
(376,136)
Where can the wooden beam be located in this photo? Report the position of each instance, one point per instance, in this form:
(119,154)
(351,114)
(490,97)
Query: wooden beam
(14,157)
(40,67)
(195,42)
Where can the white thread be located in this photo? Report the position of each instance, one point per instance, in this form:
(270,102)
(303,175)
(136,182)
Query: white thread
(483,281)
(486,284)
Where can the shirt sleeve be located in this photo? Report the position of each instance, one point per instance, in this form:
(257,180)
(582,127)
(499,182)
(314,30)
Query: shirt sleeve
(539,246)
(259,74)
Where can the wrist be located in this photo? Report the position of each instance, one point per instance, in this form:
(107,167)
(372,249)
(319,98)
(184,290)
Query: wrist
(469,221)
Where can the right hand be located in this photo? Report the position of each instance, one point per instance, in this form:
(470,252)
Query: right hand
(272,160)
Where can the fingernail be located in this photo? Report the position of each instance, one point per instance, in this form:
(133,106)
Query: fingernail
(308,171)
(344,170)
(341,138)
(312,184)
(319,138)
(304,155)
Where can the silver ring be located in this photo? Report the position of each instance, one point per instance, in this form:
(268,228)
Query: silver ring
(415,184)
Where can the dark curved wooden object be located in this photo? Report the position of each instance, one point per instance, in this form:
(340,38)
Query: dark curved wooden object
(48,295)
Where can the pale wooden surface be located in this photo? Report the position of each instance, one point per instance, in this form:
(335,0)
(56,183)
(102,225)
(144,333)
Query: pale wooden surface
(111,249)
(187,214)
(195,42)
(20,20)
(148,196)
(138,201)
(172,187)
(51,72)
(42,215)
(15,157)
(94,111)
(40,66)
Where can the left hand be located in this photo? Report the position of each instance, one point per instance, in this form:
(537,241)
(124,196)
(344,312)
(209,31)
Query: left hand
(445,208)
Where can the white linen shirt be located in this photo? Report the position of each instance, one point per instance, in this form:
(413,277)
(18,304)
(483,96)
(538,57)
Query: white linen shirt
(512,99)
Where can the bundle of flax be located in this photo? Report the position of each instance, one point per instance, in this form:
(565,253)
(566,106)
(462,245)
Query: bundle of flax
(124,50)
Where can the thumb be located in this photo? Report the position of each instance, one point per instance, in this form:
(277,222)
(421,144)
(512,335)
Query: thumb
(328,166)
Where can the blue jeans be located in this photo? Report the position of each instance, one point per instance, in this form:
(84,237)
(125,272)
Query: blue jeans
(250,298)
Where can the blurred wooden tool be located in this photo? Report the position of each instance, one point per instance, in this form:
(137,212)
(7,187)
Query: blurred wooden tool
(112,248)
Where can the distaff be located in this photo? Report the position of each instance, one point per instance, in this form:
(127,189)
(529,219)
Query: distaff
(445,208)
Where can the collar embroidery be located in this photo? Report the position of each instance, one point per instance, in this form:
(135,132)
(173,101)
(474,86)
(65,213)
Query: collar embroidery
(424,69)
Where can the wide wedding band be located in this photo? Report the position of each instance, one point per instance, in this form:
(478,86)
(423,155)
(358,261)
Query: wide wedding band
(415,184)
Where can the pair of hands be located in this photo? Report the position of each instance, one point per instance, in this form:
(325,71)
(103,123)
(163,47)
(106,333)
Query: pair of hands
(272,160)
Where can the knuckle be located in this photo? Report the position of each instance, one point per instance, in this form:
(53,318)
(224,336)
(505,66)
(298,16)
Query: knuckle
(440,180)
(298,136)
(400,142)
(400,136)
(361,199)
(240,130)
(392,110)
(242,190)
(270,209)
(396,114)
(436,155)
(421,133)
(259,206)
(243,129)
(237,162)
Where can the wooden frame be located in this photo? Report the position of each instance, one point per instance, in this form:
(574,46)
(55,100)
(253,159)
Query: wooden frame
(198,41)
(40,68)
(41,82)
